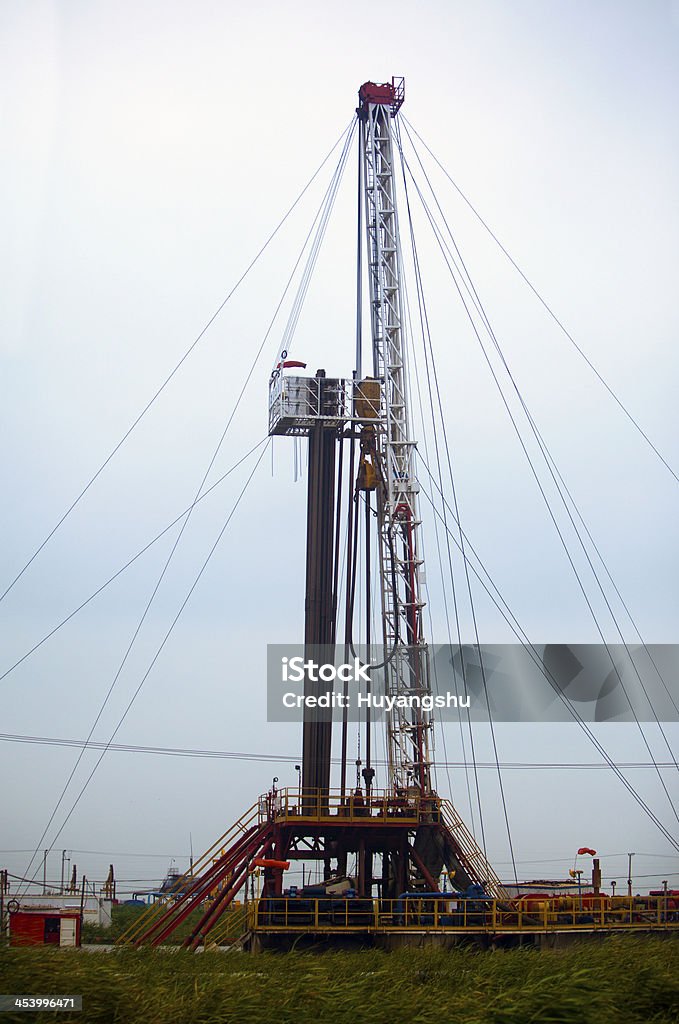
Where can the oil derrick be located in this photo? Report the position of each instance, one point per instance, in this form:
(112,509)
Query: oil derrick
(376,847)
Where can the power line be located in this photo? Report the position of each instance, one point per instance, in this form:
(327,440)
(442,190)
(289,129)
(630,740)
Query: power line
(410,336)
(521,635)
(427,342)
(322,217)
(183,359)
(148,670)
(133,559)
(111,853)
(476,301)
(548,308)
(236,755)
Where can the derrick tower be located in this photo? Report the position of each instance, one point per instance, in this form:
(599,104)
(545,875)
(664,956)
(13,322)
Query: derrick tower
(406,662)
(371,844)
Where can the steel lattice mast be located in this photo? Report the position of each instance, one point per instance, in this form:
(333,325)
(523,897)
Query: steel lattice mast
(401,564)
(402,838)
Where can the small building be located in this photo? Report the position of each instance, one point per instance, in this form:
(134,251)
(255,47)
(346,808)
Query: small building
(47,927)
(95,910)
(548,887)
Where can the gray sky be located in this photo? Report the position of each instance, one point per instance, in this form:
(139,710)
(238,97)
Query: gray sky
(146,152)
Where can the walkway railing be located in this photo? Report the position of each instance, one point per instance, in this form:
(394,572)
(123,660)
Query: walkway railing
(449,913)
(473,853)
(380,806)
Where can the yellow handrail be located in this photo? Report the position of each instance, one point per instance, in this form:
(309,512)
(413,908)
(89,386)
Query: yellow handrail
(454,823)
(380,805)
(230,927)
(450,913)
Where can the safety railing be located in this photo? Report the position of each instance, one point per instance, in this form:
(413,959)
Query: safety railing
(380,806)
(450,913)
(296,404)
(473,853)
(230,927)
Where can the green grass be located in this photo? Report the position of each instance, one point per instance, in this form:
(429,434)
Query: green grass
(623,980)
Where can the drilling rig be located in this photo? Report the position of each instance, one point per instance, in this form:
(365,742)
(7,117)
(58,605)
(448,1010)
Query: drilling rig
(372,413)
(374,847)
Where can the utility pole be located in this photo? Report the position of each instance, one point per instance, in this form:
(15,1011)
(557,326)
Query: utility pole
(629,874)
(578,875)
(4,887)
(44,872)
(82,903)
(64,858)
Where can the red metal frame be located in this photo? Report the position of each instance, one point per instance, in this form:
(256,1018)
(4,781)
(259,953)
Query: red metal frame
(388,94)
(254,842)
(214,912)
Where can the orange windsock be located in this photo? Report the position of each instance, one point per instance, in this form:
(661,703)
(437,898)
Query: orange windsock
(586,849)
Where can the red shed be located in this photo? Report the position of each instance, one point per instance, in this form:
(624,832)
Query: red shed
(46,927)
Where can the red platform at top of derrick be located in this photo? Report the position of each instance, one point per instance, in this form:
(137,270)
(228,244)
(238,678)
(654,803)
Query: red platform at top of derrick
(388,94)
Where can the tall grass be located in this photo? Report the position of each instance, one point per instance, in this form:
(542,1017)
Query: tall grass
(623,980)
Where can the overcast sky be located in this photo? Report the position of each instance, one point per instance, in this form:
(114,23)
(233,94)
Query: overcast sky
(147,151)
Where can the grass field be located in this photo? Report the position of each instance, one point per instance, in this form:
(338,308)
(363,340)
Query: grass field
(624,980)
